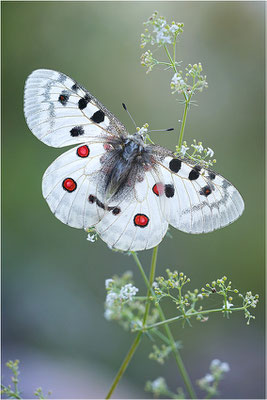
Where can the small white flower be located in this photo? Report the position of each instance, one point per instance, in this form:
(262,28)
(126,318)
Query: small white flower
(183,149)
(142,131)
(111,297)
(155,284)
(108,282)
(225,367)
(208,378)
(108,314)
(215,363)
(127,292)
(158,383)
(177,80)
(210,152)
(228,305)
(163,37)
(91,237)
(174,28)
(199,148)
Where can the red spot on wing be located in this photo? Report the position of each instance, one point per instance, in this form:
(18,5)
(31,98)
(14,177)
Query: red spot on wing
(107,146)
(83,151)
(141,220)
(69,184)
(158,189)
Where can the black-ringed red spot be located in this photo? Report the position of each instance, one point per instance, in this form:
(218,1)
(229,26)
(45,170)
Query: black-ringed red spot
(158,189)
(83,151)
(205,191)
(141,220)
(63,98)
(69,185)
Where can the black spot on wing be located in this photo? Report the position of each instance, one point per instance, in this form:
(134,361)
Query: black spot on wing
(75,87)
(77,131)
(98,117)
(82,103)
(116,211)
(194,173)
(175,165)
(212,175)
(92,199)
(169,190)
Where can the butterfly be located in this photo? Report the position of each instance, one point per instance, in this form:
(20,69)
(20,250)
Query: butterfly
(129,191)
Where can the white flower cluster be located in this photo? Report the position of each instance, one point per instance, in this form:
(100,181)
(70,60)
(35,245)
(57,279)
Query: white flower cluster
(178,84)
(148,61)
(162,33)
(217,365)
(210,381)
(200,154)
(114,299)
(127,292)
(251,300)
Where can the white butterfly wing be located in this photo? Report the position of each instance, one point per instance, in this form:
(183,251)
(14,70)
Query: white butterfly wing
(60,112)
(138,222)
(197,200)
(69,182)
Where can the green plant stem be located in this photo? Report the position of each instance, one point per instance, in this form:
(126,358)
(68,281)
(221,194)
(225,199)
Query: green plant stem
(138,336)
(175,351)
(171,60)
(124,364)
(181,135)
(189,315)
(151,280)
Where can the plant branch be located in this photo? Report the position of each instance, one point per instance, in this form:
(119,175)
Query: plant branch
(138,337)
(176,352)
(189,315)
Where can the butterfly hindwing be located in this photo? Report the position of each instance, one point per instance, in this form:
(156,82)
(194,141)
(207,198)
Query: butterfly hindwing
(60,112)
(70,180)
(197,200)
(138,222)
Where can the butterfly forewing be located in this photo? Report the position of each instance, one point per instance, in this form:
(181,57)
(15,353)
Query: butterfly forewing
(61,112)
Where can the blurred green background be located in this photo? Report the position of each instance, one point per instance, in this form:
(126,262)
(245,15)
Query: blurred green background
(53,278)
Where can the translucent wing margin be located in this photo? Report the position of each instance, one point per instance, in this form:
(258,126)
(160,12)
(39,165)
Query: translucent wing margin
(196,200)
(60,112)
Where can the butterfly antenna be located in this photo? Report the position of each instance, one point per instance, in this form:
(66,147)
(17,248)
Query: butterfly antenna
(161,130)
(125,108)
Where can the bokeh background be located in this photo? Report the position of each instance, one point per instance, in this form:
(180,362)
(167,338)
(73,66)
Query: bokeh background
(53,278)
